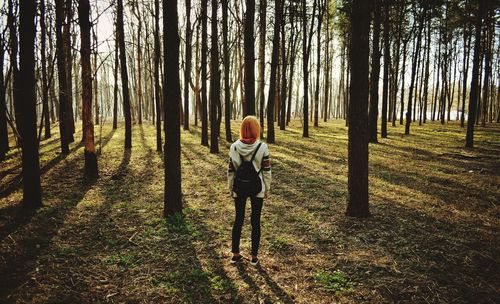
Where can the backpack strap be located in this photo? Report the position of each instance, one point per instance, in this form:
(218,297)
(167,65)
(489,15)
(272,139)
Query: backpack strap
(255,152)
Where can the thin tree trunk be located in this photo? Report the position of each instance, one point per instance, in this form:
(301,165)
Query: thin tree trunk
(4,135)
(45,91)
(69,68)
(204,51)
(249,59)
(375,74)
(474,92)
(274,66)
(157,76)
(227,91)
(283,96)
(387,62)
(214,81)
(262,60)
(321,11)
(115,88)
(414,70)
(124,76)
(61,72)
(88,128)
(187,70)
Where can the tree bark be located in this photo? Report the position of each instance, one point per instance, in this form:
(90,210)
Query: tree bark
(414,70)
(375,74)
(62,77)
(387,62)
(284,64)
(274,67)
(204,51)
(115,88)
(214,82)
(4,135)
(157,76)
(68,15)
(91,170)
(357,204)
(45,89)
(474,91)
(187,70)
(124,76)
(321,11)
(227,63)
(25,103)
(171,98)
(249,59)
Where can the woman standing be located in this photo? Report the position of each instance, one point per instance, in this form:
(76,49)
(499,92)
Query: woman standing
(249,176)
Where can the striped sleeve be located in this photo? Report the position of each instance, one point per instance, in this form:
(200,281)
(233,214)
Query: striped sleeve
(230,167)
(230,175)
(266,170)
(266,163)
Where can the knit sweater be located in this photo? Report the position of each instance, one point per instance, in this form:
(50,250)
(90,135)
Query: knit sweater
(241,150)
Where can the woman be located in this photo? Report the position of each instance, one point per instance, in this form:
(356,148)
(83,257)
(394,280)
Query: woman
(249,176)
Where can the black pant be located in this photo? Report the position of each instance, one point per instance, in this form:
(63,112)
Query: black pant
(239,204)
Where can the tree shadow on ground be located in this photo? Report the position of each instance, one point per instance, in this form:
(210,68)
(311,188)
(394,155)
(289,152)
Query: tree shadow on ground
(27,235)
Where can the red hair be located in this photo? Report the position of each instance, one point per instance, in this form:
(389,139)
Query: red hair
(250,130)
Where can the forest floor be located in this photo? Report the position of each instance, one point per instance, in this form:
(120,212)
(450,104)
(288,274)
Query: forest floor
(433,236)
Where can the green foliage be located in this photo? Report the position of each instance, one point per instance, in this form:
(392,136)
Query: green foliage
(336,281)
(123,260)
(281,243)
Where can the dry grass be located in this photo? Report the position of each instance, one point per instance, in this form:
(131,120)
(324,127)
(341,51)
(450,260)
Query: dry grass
(433,237)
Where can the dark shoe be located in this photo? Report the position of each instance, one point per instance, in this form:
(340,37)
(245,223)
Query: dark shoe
(254,261)
(236,259)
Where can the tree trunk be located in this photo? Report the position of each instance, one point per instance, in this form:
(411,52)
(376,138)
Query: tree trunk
(375,74)
(414,70)
(274,66)
(387,62)
(157,76)
(283,96)
(187,70)
(487,67)
(204,51)
(139,65)
(88,128)
(262,61)
(115,88)
(467,43)
(4,135)
(96,86)
(327,67)
(124,76)
(427,66)
(45,89)
(171,97)
(321,10)
(474,91)
(403,73)
(306,49)
(357,204)
(249,59)
(227,91)
(25,102)
(62,77)
(214,81)
(68,13)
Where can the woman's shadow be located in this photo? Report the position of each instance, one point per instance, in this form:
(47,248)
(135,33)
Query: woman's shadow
(282,295)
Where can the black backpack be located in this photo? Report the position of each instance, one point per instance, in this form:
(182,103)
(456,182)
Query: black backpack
(247,181)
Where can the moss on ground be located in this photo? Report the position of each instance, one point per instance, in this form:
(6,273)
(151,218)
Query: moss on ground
(433,236)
